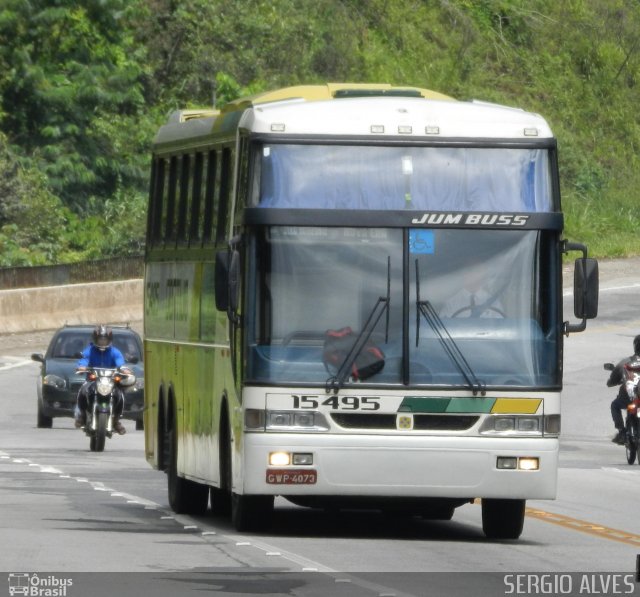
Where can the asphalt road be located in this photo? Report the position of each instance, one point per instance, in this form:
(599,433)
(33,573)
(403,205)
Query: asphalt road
(102,521)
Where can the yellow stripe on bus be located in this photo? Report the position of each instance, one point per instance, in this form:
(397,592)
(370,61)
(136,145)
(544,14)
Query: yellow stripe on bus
(516,405)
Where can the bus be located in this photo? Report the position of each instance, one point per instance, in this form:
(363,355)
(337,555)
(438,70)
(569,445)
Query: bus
(308,255)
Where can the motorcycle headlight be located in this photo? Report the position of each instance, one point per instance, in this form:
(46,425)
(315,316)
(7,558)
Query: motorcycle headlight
(104,386)
(55,381)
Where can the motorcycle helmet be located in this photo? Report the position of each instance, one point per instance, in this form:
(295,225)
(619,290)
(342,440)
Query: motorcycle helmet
(102,337)
(636,345)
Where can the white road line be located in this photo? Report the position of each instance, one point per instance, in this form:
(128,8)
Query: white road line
(305,564)
(624,471)
(606,289)
(20,363)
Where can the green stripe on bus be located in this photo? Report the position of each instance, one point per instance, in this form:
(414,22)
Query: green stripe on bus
(471,405)
(427,404)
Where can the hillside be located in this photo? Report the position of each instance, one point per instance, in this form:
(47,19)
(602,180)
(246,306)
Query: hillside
(84,85)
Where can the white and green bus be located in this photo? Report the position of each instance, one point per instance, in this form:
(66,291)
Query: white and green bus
(353,298)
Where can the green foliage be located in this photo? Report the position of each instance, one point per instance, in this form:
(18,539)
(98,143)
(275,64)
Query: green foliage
(68,68)
(84,85)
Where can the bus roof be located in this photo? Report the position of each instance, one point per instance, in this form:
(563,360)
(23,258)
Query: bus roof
(355,109)
(332,91)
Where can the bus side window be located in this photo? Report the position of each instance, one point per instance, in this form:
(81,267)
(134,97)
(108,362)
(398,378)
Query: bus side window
(156,192)
(195,228)
(169,213)
(183,202)
(226,184)
(243,179)
(209,219)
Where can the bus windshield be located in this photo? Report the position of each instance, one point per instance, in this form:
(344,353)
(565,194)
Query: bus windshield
(484,293)
(398,177)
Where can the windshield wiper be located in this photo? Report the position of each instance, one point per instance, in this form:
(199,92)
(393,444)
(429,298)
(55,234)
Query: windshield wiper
(381,306)
(425,308)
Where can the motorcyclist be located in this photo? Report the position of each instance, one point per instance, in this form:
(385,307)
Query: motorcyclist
(625,394)
(100,353)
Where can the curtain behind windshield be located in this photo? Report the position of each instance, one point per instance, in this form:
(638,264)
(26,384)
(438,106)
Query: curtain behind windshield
(422,178)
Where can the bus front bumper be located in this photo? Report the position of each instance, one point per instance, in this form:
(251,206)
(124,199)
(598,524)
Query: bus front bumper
(416,466)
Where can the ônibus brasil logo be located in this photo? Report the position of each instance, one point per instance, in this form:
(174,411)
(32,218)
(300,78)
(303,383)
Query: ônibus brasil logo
(38,585)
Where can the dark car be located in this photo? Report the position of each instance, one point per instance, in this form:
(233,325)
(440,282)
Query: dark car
(58,384)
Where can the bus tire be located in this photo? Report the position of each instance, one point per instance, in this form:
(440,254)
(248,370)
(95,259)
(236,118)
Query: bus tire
(220,502)
(251,512)
(185,496)
(502,519)
(221,496)
(163,448)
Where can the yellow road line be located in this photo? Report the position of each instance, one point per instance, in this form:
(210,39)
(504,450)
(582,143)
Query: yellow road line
(585,527)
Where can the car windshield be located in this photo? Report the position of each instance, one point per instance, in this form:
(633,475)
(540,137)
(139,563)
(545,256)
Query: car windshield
(444,307)
(70,343)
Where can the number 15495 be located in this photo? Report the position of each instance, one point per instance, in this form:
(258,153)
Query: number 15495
(337,402)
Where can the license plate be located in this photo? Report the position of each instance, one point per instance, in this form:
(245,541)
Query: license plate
(291,477)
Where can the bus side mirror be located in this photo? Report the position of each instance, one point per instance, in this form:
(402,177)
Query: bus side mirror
(585,288)
(221,281)
(234,281)
(227,277)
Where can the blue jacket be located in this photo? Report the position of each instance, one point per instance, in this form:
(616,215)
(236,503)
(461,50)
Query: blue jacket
(92,356)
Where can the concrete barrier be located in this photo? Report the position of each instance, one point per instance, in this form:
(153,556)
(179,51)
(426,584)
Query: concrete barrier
(33,309)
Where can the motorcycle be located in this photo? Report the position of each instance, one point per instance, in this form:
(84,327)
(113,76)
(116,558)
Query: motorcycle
(631,377)
(103,394)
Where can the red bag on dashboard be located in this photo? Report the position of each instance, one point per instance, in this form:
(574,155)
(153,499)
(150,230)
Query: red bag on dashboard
(338,343)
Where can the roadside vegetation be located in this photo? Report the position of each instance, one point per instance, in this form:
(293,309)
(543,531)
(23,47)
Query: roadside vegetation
(84,85)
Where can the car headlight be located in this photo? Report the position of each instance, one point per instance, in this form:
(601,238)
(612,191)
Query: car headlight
(54,381)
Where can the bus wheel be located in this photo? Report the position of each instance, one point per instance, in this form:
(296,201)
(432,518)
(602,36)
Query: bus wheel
(185,496)
(251,512)
(502,519)
(221,496)
(220,502)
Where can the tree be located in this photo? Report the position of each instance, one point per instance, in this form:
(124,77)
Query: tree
(71,76)
(32,219)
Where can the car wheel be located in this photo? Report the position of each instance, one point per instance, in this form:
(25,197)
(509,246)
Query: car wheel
(44,422)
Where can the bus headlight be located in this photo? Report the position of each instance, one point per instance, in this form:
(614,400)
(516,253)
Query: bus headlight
(284,420)
(511,425)
(522,463)
(287,458)
(279,459)
(527,425)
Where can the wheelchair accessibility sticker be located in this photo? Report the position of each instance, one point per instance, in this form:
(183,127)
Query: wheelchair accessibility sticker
(421,242)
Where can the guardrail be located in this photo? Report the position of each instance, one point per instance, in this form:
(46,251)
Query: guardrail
(102,270)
